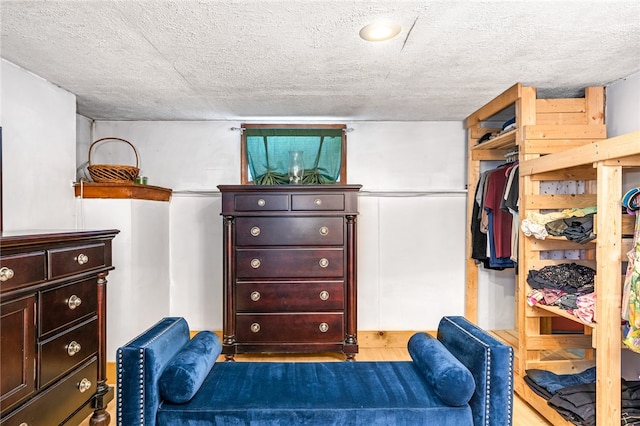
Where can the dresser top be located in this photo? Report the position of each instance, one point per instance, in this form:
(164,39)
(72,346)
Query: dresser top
(289,188)
(41,236)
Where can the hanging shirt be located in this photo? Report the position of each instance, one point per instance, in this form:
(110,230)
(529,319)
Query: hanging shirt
(502,220)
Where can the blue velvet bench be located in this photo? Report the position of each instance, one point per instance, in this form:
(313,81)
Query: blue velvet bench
(464,377)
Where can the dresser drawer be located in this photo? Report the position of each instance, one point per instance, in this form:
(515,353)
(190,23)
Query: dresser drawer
(310,231)
(56,403)
(290,263)
(17,351)
(69,261)
(66,304)
(65,351)
(290,328)
(261,202)
(22,269)
(317,202)
(290,297)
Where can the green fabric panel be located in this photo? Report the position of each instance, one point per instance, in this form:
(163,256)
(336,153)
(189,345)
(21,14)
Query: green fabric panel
(322,155)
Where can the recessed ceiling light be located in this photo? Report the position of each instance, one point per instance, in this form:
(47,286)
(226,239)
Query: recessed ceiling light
(380,31)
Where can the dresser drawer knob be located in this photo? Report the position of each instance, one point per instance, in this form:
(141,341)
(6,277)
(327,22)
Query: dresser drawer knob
(324,230)
(73,348)
(255,263)
(324,295)
(323,262)
(255,296)
(84,385)
(317,201)
(82,259)
(324,327)
(6,273)
(255,327)
(255,231)
(23,424)
(74,301)
(262,202)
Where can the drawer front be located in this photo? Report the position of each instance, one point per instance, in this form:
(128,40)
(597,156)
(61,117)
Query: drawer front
(317,202)
(261,202)
(66,304)
(69,261)
(290,297)
(17,351)
(290,328)
(57,402)
(65,351)
(22,269)
(290,263)
(313,231)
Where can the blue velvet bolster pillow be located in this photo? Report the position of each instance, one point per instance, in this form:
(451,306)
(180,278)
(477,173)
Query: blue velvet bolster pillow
(184,374)
(448,377)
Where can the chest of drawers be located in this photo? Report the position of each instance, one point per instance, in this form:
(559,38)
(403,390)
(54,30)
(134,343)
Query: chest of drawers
(290,282)
(53,327)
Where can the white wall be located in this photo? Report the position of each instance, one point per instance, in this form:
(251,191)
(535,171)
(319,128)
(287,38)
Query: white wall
(38,143)
(623,116)
(138,288)
(623,106)
(411,243)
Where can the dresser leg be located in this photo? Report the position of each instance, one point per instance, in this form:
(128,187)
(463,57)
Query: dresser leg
(100,418)
(100,415)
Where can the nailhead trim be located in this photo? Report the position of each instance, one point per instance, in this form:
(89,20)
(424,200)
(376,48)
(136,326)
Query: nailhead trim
(488,373)
(141,376)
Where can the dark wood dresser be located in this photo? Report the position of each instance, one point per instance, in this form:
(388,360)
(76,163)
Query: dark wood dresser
(289,268)
(53,327)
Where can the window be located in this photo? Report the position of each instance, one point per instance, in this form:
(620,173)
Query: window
(266,147)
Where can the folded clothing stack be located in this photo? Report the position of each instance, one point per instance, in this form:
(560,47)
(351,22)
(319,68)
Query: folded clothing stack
(573,396)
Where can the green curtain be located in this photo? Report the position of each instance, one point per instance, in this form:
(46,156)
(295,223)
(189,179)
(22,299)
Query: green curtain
(268,154)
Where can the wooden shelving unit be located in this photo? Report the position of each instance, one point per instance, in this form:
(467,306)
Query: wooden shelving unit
(543,126)
(545,129)
(607,160)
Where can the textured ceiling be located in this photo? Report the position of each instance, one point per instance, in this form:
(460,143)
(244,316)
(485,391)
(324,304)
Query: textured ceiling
(250,59)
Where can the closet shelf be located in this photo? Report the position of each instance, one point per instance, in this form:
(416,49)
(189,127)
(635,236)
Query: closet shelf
(563,313)
(121,190)
(505,141)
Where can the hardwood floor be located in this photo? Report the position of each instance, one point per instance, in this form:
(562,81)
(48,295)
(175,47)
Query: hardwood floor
(524,415)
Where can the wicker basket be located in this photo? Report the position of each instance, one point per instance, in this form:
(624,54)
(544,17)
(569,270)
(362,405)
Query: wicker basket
(114,173)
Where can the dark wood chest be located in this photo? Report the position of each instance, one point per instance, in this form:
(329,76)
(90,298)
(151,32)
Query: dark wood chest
(290,281)
(53,327)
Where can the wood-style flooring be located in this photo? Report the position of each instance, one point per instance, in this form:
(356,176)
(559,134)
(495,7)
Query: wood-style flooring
(524,415)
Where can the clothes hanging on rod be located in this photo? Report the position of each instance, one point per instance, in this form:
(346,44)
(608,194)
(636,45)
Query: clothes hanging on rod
(492,227)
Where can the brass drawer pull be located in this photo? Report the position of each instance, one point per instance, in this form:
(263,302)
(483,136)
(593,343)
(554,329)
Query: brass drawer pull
(84,385)
(74,301)
(73,348)
(262,202)
(82,259)
(255,296)
(324,327)
(323,262)
(324,295)
(324,230)
(255,327)
(255,263)
(317,201)
(255,231)
(6,273)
